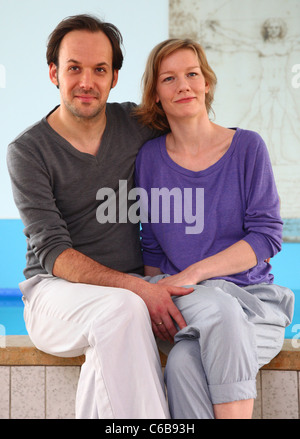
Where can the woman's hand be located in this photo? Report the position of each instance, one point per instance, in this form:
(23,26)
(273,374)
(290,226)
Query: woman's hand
(189,276)
(235,259)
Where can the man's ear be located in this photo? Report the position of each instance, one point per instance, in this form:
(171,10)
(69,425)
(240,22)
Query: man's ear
(53,74)
(115,78)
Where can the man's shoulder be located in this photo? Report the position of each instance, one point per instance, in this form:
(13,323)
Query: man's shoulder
(29,131)
(122,113)
(32,133)
(125,108)
(122,121)
(35,141)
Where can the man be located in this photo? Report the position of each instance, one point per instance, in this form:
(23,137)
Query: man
(79,296)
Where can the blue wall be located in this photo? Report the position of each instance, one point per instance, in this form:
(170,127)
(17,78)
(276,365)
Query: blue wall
(12,253)
(286,265)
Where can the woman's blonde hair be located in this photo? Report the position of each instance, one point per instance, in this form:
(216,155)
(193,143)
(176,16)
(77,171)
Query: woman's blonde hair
(150,112)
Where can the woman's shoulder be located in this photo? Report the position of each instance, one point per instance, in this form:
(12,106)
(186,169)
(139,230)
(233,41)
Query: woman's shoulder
(151,147)
(249,136)
(250,142)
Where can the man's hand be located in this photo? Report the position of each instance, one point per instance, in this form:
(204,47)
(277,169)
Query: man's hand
(76,267)
(163,312)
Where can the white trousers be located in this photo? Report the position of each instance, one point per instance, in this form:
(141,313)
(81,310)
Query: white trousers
(121,377)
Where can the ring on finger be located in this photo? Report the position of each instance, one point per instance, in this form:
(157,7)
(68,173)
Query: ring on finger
(159,323)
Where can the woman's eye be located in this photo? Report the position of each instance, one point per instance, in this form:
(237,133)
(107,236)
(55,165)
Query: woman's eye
(168,79)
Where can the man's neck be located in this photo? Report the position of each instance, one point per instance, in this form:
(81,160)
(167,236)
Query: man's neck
(83,134)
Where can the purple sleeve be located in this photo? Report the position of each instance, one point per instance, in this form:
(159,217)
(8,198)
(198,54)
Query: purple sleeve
(262,221)
(151,250)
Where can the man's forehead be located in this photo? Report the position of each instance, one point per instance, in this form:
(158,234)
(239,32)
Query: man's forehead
(82,44)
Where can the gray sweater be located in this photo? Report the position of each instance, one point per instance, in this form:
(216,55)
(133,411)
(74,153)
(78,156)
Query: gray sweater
(55,186)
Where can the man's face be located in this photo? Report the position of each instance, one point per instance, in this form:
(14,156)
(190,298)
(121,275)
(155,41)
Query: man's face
(84,73)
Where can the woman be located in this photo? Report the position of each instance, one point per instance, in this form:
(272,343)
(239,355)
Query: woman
(236,316)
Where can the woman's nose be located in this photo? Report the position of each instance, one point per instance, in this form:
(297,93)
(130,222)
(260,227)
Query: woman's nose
(183,84)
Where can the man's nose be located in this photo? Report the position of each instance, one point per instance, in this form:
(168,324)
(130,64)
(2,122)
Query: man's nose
(86,80)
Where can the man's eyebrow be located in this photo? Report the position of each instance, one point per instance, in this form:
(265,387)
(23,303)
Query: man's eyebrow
(74,61)
(103,64)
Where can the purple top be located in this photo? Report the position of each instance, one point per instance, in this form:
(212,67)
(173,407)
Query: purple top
(235,198)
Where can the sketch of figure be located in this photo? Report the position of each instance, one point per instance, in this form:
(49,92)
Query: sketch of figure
(185,22)
(258,73)
(273,109)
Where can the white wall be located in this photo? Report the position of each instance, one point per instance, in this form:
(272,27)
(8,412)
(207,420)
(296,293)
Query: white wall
(26,94)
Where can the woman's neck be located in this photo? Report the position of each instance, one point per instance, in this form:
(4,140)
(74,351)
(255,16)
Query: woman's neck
(188,136)
(196,145)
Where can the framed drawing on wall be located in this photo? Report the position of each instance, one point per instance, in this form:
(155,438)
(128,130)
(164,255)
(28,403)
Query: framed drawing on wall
(254,49)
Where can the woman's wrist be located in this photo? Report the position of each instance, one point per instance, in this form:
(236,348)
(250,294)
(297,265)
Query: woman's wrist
(196,273)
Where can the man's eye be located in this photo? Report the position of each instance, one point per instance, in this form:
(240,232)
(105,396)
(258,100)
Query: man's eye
(73,68)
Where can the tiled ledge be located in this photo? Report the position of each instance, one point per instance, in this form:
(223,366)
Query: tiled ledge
(288,358)
(18,350)
(31,388)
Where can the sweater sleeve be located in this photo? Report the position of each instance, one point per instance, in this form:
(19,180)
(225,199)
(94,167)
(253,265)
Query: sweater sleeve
(45,229)
(262,221)
(151,249)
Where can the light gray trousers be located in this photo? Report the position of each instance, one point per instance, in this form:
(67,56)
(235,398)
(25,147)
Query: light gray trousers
(231,332)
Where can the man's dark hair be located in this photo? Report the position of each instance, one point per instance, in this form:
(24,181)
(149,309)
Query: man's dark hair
(89,23)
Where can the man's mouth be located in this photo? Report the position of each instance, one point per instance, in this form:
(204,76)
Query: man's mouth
(85,98)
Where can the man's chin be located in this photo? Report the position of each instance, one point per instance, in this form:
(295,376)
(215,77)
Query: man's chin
(87,113)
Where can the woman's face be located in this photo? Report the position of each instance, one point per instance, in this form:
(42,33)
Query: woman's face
(181,86)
